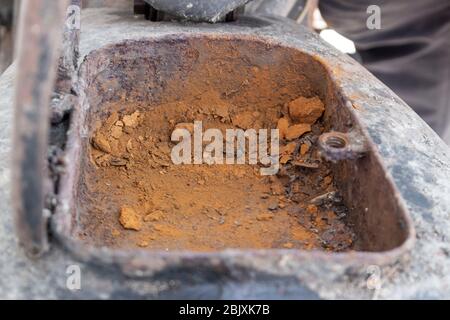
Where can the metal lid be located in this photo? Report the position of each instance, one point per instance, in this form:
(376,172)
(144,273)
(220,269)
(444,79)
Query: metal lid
(38,43)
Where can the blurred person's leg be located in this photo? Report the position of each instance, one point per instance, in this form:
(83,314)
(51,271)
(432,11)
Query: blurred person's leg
(410,53)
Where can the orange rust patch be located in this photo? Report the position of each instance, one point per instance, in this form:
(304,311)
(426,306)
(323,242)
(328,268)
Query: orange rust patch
(201,207)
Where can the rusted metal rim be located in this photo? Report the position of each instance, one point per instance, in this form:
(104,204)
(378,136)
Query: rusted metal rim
(138,261)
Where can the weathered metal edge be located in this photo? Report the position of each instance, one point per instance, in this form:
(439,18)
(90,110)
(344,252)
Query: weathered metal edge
(134,262)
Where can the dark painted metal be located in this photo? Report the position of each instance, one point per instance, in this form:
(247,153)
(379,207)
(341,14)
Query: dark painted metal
(36,74)
(198,10)
(297,10)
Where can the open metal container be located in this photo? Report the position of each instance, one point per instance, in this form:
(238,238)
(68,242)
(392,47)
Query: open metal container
(158,70)
(141,62)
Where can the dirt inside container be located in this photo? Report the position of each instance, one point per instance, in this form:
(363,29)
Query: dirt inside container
(132,195)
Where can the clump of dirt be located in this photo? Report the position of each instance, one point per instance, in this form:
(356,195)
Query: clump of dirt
(136,197)
(129,219)
(306,110)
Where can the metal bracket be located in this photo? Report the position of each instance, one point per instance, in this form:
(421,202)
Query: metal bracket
(40,34)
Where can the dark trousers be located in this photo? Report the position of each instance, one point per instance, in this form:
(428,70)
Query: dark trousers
(410,53)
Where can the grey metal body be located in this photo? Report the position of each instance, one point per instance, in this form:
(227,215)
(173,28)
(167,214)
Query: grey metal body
(415,157)
(198,10)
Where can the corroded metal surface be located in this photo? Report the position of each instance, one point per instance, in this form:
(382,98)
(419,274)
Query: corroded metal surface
(418,167)
(382,225)
(35,80)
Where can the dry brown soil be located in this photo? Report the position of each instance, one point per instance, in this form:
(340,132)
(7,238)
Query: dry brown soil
(136,197)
